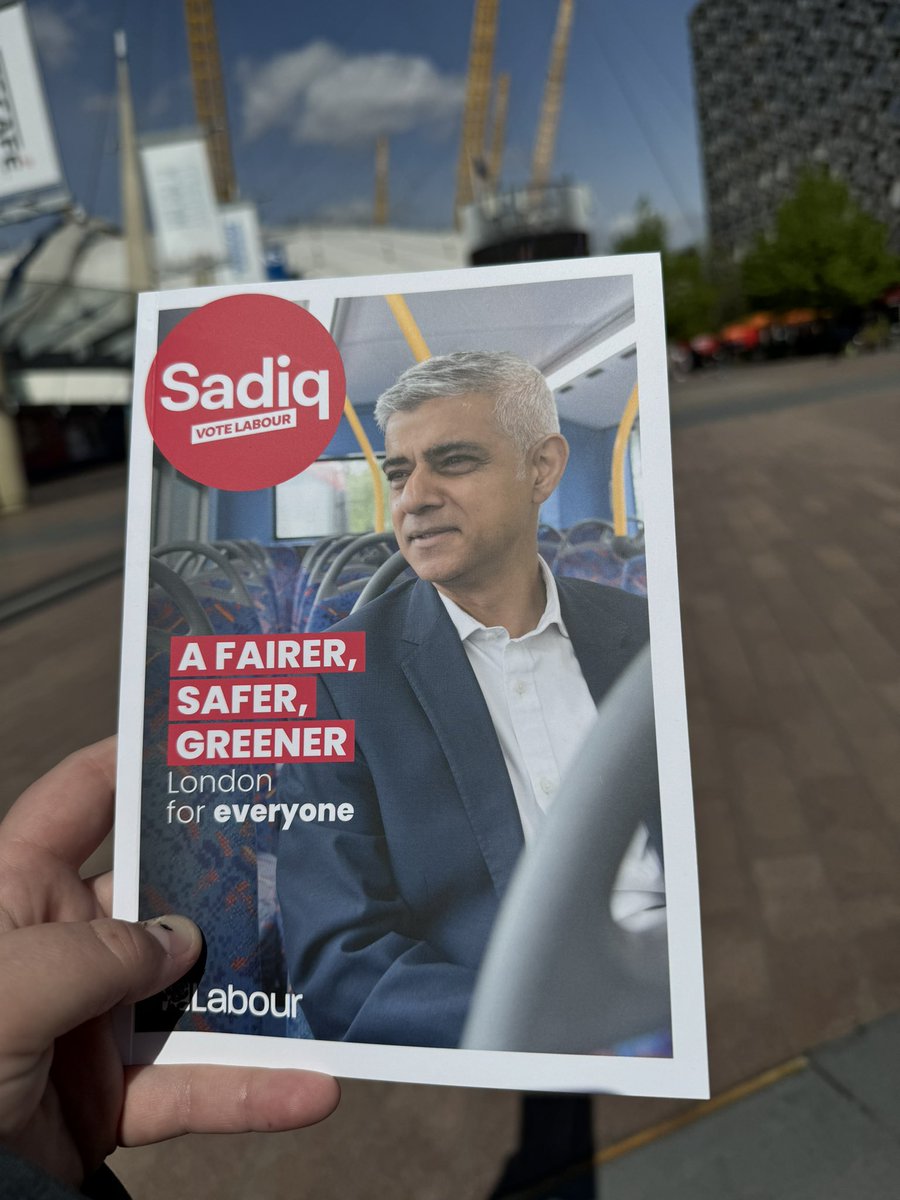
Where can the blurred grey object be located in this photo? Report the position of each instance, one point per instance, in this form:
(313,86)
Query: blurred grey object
(560,974)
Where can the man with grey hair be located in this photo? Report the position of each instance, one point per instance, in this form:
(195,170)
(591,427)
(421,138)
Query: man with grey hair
(524,408)
(482,678)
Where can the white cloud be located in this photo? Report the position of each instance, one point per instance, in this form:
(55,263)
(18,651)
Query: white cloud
(54,32)
(319,94)
(621,225)
(273,93)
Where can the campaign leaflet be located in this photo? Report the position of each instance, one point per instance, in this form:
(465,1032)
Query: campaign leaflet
(426,794)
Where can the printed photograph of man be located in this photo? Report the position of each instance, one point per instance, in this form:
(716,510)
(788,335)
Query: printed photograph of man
(483,676)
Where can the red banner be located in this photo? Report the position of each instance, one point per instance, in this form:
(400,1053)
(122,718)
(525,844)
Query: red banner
(223,745)
(234,699)
(268,654)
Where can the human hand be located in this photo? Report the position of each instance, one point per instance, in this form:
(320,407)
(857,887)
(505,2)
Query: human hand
(66,1099)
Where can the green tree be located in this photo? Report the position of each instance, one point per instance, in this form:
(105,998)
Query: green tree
(824,251)
(692,302)
(691,298)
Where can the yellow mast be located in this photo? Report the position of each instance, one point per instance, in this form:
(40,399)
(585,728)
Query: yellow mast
(545,140)
(209,94)
(478,87)
(501,104)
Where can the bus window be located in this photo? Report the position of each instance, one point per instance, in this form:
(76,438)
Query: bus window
(634,454)
(332,496)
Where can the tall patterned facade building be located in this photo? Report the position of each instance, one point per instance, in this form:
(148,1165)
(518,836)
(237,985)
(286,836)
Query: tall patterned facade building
(785,83)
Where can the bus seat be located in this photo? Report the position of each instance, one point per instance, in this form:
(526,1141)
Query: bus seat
(549,541)
(171,607)
(598,563)
(394,571)
(634,577)
(284,567)
(630,544)
(353,563)
(209,873)
(250,562)
(224,612)
(298,599)
(315,564)
(326,612)
(204,870)
(256,552)
(189,559)
(217,584)
(592,530)
(365,550)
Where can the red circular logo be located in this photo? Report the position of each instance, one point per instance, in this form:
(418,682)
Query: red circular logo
(245,392)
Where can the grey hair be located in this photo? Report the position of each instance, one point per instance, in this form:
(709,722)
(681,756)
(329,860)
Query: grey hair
(524,408)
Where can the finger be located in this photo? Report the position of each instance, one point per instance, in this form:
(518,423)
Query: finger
(68,811)
(101,888)
(164,1102)
(57,976)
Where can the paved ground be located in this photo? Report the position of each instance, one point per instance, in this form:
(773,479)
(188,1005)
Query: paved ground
(788,512)
(827,1132)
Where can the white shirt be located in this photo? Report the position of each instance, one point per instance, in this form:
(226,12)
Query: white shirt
(541,710)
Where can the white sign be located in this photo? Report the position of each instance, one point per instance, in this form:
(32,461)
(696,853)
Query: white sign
(28,157)
(182,202)
(245,261)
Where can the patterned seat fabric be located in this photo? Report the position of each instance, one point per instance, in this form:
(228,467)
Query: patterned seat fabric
(591,550)
(597,562)
(549,542)
(207,870)
(284,569)
(635,575)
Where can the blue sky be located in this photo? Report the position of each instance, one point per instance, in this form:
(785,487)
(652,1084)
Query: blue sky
(309,87)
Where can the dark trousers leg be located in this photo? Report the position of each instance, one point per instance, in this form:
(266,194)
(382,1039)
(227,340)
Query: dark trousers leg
(555,1136)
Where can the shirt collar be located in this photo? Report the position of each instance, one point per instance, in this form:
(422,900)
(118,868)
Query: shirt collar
(466,625)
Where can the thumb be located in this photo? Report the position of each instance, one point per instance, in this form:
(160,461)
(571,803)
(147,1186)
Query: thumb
(56,976)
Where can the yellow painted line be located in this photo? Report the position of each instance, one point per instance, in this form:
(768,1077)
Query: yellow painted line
(620,448)
(409,328)
(374,470)
(739,1092)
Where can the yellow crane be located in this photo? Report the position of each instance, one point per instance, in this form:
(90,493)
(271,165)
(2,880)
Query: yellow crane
(545,141)
(478,89)
(209,94)
(501,105)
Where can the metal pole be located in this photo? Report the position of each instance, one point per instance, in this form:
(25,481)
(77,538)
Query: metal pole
(140,270)
(13,485)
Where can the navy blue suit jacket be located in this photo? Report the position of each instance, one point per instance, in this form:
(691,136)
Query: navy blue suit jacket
(386,916)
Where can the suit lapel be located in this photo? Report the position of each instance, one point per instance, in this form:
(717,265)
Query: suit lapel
(439,673)
(603,643)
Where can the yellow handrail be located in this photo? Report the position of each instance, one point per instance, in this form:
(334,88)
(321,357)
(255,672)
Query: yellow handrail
(416,343)
(409,328)
(620,448)
(366,446)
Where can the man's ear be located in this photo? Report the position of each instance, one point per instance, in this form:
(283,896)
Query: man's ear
(547,460)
